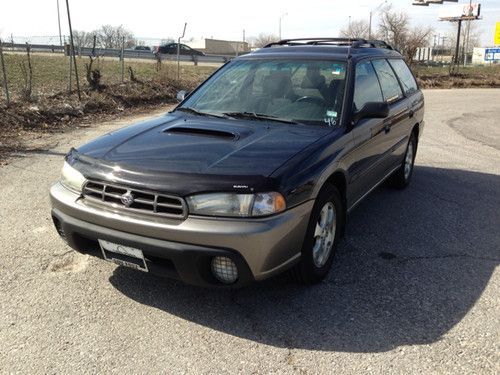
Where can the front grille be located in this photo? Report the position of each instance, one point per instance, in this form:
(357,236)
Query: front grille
(135,200)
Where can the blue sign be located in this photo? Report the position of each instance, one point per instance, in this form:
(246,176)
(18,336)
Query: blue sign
(491,54)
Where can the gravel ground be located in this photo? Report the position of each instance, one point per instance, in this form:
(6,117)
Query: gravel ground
(415,287)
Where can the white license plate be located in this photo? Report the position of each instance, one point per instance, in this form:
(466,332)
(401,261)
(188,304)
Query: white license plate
(123,255)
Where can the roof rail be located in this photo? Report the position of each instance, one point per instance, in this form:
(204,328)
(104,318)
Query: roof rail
(350,42)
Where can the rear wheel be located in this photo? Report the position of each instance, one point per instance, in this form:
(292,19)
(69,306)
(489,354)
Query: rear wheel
(402,177)
(323,232)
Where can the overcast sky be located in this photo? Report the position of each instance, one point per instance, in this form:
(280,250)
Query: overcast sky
(222,19)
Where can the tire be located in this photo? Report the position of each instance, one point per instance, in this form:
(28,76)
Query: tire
(402,177)
(312,267)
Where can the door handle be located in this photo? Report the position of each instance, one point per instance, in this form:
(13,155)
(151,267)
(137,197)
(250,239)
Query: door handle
(411,113)
(387,127)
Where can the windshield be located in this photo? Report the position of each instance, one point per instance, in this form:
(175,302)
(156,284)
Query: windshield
(305,91)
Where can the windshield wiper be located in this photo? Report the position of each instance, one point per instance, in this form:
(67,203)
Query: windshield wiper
(259,116)
(196,112)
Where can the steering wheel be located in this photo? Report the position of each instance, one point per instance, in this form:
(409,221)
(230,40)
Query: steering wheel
(311,99)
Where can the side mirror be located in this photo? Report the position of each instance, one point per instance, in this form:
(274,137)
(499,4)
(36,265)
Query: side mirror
(181,95)
(372,110)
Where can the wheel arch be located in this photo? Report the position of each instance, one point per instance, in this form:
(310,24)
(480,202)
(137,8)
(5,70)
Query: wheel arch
(339,181)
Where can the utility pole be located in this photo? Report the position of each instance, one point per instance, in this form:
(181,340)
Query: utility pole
(73,51)
(457,47)
(371,15)
(59,24)
(179,51)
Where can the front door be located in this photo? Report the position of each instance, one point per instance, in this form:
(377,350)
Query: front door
(367,160)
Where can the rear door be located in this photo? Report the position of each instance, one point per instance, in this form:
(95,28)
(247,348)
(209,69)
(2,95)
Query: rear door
(396,124)
(414,103)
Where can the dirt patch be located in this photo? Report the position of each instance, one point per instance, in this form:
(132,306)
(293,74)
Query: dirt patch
(71,261)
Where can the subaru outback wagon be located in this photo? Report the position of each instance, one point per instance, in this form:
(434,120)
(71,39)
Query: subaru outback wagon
(254,172)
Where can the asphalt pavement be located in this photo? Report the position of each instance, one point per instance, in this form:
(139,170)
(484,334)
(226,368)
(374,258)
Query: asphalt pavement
(415,287)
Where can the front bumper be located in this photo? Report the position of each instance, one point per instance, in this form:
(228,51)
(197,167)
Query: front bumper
(183,249)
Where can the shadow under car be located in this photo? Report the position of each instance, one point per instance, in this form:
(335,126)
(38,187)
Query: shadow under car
(412,264)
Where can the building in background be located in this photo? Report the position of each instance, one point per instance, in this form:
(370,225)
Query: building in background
(486,56)
(219,47)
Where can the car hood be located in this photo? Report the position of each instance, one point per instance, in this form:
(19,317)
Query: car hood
(191,144)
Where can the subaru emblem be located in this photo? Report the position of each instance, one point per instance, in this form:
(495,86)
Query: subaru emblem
(127,199)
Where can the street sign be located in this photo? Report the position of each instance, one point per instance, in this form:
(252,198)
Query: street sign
(497,34)
(491,54)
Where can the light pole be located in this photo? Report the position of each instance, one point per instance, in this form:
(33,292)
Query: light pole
(73,52)
(371,14)
(281,17)
(59,23)
(179,51)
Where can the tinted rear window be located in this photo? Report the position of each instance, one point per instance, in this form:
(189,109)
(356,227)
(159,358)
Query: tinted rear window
(388,81)
(405,77)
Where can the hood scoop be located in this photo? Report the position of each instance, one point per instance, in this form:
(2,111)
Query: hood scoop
(202,132)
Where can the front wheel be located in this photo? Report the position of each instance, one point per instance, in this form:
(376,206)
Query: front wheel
(323,232)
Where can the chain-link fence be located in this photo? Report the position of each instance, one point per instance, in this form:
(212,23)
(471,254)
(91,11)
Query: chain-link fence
(29,72)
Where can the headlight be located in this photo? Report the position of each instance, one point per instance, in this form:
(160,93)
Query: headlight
(71,178)
(236,205)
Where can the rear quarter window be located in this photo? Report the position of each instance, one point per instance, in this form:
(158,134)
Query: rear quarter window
(405,76)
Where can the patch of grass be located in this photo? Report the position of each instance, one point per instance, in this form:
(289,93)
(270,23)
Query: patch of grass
(469,76)
(51,72)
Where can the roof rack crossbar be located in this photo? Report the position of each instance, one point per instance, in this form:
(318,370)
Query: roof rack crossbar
(351,42)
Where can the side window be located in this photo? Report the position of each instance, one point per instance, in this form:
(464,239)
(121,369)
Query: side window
(366,86)
(405,77)
(388,81)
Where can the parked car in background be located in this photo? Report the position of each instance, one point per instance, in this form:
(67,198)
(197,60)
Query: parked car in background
(254,172)
(171,49)
(142,48)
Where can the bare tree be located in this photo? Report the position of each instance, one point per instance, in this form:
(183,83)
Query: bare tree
(395,28)
(82,39)
(356,29)
(109,36)
(416,38)
(263,39)
(27,74)
(93,75)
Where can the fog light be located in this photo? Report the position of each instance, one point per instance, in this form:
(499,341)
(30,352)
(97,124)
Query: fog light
(224,270)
